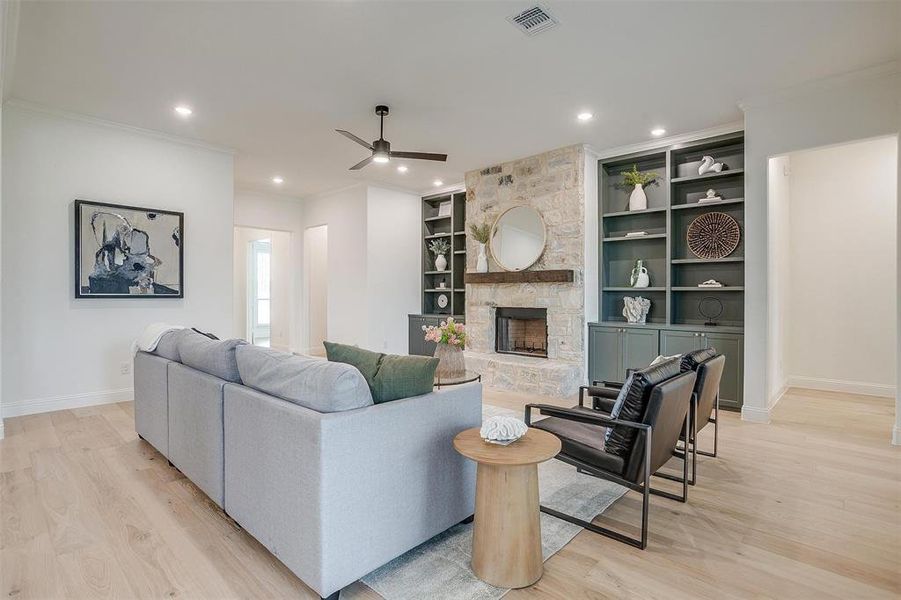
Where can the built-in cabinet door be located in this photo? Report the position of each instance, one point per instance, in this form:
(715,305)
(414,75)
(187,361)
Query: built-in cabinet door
(730,345)
(605,354)
(414,342)
(680,342)
(428,348)
(640,347)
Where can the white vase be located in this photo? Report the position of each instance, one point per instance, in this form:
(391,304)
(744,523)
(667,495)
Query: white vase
(440,263)
(637,199)
(482,263)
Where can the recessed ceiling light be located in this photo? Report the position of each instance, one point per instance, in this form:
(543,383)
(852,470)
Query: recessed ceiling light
(658,131)
(183,111)
(402,169)
(585,116)
(437,182)
(278,180)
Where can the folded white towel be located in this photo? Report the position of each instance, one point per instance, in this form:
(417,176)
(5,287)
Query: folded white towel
(151,336)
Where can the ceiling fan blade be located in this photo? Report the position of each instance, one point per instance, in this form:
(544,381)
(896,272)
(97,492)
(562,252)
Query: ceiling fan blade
(419,155)
(351,136)
(361,164)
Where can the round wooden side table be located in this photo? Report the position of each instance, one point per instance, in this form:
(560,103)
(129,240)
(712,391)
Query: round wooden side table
(506,536)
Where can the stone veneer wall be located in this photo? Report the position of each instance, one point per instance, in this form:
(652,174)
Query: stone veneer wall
(553,183)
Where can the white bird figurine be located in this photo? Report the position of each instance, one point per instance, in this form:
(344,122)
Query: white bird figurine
(502,429)
(708,166)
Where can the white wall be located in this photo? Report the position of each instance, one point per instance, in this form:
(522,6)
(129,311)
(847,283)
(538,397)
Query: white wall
(854,107)
(393,241)
(70,352)
(315,253)
(281,278)
(779,275)
(373,264)
(278,213)
(344,211)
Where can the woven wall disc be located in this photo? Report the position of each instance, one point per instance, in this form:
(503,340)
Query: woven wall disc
(713,235)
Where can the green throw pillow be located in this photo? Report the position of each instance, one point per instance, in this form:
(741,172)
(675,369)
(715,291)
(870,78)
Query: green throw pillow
(390,377)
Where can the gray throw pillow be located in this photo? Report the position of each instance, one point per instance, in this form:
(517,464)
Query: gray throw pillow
(167,347)
(210,356)
(313,383)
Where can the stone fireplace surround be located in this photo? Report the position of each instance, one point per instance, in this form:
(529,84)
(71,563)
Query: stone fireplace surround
(553,184)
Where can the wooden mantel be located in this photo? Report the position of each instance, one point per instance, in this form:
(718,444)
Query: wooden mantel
(549,276)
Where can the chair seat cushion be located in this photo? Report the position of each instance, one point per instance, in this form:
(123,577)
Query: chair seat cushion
(583,442)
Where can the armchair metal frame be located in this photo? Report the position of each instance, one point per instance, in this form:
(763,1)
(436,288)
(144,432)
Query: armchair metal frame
(646,434)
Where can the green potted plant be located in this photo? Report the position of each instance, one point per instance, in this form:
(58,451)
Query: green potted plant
(481,233)
(637,180)
(439,248)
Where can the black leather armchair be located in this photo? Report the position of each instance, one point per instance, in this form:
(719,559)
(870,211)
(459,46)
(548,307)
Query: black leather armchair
(660,396)
(705,401)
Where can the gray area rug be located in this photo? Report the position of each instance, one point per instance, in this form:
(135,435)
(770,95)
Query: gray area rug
(439,568)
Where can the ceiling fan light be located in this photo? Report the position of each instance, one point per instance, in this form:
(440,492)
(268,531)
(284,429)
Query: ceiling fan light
(380,158)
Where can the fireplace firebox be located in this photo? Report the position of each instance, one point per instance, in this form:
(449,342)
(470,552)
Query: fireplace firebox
(521,331)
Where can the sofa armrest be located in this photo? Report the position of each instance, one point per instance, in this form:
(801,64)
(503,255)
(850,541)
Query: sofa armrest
(336,495)
(392,479)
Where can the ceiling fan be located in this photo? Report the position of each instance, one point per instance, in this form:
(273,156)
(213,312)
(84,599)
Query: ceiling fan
(381,148)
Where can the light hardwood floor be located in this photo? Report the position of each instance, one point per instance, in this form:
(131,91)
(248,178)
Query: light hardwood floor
(806,507)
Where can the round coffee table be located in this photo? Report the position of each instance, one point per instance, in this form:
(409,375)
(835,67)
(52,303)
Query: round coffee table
(506,536)
(465,377)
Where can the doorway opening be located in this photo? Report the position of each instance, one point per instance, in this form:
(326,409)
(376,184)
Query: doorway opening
(263,276)
(832,272)
(316,280)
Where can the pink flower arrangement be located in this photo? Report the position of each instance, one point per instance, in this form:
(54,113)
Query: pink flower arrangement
(449,332)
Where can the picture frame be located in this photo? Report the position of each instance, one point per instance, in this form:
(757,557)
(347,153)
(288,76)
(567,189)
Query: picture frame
(444,209)
(124,251)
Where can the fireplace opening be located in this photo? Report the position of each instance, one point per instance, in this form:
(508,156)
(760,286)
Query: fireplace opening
(521,331)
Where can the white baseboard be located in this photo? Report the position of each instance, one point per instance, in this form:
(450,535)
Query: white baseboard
(41,405)
(842,386)
(752,414)
(896,435)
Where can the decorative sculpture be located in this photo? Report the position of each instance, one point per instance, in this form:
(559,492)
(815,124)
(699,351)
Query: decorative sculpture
(711,197)
(709,166)
(711,283)
(713,235)
(502,430)
(636,309)
(710,308)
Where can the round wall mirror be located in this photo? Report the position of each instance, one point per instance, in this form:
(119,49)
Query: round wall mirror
(517,238)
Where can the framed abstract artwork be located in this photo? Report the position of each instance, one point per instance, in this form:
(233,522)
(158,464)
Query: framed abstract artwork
(128,251)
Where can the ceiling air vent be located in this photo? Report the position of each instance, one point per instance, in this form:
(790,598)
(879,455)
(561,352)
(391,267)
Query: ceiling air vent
(534,20)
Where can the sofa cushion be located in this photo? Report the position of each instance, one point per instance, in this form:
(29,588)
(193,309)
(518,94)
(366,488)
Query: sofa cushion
(389,376)
(634,404)
(210,356)
(309,382)
(167,347)
(691,360)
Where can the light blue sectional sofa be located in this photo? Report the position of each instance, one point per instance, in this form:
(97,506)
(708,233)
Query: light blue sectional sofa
(293,449)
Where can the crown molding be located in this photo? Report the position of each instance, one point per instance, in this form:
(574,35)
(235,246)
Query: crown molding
(48,111)
(882,70)
(671,140)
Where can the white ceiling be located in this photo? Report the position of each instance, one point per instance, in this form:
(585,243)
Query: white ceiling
(273,80)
